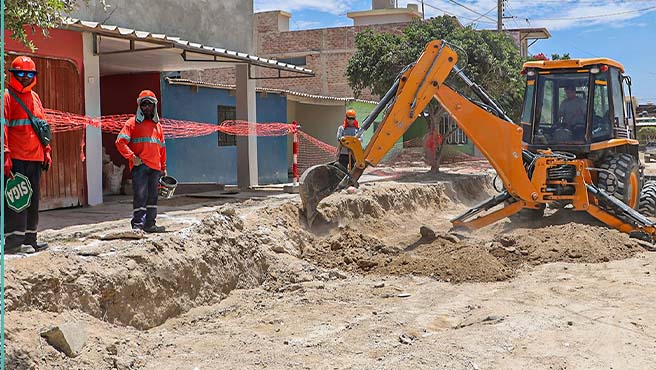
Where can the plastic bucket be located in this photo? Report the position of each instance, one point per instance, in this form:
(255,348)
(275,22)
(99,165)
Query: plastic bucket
(167,185)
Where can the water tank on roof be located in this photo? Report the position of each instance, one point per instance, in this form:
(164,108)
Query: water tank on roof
(383,4)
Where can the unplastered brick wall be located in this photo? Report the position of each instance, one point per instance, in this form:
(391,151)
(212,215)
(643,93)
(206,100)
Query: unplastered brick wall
(326,51)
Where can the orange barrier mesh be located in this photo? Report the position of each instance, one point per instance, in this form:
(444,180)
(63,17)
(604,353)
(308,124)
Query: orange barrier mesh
(312,151)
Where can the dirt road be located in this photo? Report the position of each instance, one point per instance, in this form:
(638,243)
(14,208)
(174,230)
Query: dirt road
(249,286)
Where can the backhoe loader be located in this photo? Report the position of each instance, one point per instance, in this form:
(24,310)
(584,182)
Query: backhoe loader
(575,143)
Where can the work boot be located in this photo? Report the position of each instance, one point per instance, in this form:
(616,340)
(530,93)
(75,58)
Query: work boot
(154,229)
(39,246)
(20,249)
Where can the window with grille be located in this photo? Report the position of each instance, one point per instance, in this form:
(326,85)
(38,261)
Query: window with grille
(297,61)
(227,113)
(447,125)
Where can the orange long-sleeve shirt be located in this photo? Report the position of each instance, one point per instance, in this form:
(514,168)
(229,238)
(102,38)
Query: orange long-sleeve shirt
(145,140)
(21,141)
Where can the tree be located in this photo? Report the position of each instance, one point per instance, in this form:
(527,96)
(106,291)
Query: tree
(647,134)
(22,16)
(488,57)
(556,56)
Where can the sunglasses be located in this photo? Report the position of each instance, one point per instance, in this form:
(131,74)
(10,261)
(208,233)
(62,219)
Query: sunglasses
(147,103)
(350,118)
(23,74)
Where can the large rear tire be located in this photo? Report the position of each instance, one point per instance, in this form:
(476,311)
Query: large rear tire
(647,204)
(621,178)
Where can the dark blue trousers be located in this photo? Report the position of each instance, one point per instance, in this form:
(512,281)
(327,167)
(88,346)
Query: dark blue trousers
(145,182)
(20,227)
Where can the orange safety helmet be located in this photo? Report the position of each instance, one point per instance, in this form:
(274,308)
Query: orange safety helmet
(23,63)
(350,113)
(148,95)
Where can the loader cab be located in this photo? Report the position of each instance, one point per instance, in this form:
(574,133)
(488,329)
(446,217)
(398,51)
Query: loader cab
(574,105)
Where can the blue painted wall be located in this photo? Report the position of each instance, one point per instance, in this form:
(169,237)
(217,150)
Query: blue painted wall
(200,159)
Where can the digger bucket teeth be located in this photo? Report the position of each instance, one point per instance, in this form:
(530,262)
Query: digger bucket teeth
(318,182)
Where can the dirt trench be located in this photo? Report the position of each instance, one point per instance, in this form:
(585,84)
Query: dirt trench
(142,284)
(376,231)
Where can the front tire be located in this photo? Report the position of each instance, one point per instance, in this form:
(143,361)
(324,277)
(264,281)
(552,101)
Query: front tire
(647,204)
(620,178)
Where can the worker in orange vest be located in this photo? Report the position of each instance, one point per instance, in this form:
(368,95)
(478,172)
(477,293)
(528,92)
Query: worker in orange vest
(141,142)
(349,127)
(25,153)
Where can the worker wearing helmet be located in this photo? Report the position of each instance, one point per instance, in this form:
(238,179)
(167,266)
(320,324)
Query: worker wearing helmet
(24,154)
(349,127)
(141,142)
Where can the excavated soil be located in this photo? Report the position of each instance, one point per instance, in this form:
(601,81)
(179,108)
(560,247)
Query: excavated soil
(130,290)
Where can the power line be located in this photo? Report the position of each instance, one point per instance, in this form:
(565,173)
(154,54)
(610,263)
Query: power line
(514,19)
(470,9)
(453,14)
(595,16)
(486,13)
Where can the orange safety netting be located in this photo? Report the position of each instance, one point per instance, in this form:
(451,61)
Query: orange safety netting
(312,151)
(63,122)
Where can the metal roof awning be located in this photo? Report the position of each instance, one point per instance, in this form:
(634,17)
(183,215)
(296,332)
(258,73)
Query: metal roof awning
(124,50)
(297,96)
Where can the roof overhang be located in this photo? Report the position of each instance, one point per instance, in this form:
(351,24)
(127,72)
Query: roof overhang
(572,63)
(124,50)
(383,12)
(296,96)
(532,33)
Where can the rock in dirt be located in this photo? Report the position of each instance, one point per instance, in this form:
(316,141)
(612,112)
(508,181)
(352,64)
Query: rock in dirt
(129,234)
(427,233)
(407,338)
(450,237)
(379,285)
(68,338)
(89,252)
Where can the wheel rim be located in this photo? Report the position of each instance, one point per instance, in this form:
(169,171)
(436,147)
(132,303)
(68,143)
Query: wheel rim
(633,190)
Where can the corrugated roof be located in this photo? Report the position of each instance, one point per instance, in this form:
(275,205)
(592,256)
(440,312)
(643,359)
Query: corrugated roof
(188,82)
(177,42)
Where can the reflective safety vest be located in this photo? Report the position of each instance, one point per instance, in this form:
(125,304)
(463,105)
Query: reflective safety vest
(21,141)
(145,140)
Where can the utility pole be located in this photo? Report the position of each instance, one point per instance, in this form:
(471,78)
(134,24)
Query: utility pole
(499,15)
(423,10)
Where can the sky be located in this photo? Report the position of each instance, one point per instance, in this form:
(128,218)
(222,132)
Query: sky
(624,30)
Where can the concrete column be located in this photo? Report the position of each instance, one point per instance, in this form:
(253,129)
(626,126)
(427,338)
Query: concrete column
(246,145)
(93,145)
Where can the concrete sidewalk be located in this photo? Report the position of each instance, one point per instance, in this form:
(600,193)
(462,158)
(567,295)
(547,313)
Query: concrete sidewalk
(119,207)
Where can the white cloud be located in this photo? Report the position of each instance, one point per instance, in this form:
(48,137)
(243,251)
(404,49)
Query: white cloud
(304,25)
(554,15)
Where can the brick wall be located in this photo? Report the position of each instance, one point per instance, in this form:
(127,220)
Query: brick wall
(327,52)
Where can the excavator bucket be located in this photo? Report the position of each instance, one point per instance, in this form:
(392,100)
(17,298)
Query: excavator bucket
(318,182)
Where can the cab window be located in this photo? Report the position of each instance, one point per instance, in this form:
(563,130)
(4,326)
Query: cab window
(601,122)
(561,108)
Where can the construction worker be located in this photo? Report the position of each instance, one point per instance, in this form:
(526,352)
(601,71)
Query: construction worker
(24,154)
(349,127)
(141,142)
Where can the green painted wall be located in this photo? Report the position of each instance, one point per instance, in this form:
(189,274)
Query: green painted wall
(417,130)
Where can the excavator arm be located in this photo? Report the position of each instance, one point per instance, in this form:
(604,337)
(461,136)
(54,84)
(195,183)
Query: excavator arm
(500,140)
(524,174)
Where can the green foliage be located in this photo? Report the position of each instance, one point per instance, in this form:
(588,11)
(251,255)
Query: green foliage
(22,16)
(647,134)
(557,56)
(491,59)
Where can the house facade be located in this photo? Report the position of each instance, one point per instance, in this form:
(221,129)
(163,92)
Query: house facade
(92,68)
(326,51)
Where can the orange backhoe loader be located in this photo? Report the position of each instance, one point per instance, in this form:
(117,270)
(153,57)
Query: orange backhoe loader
(575,144)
